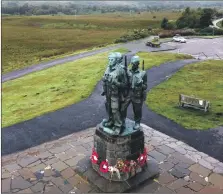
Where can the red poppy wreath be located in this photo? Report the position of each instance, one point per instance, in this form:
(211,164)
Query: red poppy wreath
(104,166)
(142,158)
(94,157)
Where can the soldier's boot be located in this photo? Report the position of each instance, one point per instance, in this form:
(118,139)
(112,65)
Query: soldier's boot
(123,119)
(137,109)
(118,127)
(123,124)
(108,123)
(106,120)
(117,130)
(137,126)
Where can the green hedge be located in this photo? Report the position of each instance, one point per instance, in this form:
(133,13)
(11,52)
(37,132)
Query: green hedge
(135,35)
(209,31)
(171,33)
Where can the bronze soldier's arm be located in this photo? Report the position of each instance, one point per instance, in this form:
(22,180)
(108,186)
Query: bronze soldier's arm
(104,86)
(120,75)
(119,84)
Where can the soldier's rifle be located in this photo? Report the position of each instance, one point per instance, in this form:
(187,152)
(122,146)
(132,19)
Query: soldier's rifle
(126,73)
(143,65)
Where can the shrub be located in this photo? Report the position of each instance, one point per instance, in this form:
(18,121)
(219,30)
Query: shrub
(166,34)
(170,33)
(164,23)
(209,31)
(170,26)
(135,35)
(150,28)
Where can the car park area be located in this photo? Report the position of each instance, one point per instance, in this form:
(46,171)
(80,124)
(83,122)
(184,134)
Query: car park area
(200,48)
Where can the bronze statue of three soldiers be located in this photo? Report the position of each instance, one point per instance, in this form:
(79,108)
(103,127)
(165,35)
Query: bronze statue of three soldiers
(122,86)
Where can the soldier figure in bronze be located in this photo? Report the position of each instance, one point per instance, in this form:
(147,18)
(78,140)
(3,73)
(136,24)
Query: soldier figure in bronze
(126,83)
(137,93)
(119,152)
(112,87)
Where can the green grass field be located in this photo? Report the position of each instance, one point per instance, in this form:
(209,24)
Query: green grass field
(29,40)
(59,86)
(203,80)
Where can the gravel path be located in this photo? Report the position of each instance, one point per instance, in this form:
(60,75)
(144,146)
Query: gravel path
(91,111)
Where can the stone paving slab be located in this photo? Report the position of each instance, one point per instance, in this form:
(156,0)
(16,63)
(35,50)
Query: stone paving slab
(54,167)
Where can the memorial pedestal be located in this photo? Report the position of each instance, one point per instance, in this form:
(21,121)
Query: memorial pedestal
(117,158)
(118,163)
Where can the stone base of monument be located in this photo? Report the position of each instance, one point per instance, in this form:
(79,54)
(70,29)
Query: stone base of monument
(117,157)
(150,171)
(118,163)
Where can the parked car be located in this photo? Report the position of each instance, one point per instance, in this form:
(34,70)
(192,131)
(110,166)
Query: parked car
(179,39)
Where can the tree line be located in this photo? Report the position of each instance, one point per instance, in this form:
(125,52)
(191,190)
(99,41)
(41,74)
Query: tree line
(71,8)
(192,18)
(67,9)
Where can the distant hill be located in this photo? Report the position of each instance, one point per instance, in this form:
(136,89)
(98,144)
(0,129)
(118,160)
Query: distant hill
(88,7)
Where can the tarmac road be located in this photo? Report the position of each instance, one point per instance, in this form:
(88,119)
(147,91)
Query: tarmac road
(134,46)
(205,48)
(91,111)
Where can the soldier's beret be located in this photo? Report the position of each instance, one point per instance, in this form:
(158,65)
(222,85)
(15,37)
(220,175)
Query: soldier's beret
(135,59)
(112,55)
(118,55)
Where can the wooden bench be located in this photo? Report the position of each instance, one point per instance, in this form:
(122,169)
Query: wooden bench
(190,101)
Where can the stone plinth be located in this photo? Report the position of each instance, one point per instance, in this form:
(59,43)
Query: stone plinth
(118,158)
(150,171)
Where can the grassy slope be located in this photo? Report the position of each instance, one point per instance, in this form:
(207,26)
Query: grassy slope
(157,58)
(60,86)
(203,80)
(28,40)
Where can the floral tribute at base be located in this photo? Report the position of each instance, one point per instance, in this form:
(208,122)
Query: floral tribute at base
(122,168)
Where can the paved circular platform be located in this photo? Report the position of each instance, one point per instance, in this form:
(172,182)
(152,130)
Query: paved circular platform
(55,167)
